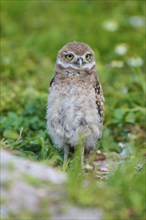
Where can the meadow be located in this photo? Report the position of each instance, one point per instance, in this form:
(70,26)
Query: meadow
(32,32)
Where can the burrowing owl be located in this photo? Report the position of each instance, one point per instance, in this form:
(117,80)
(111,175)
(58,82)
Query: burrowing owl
(75,102)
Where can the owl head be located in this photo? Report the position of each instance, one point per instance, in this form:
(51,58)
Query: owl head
(76,55)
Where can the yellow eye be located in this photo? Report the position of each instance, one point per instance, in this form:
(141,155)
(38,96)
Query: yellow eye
(88,56)
(69,56)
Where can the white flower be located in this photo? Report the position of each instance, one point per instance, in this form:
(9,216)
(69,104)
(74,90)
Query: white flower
(124,90)
(117,63)
(121,49)
(120,144)
(137,21)
(110,25)
(135,61)
(6,60)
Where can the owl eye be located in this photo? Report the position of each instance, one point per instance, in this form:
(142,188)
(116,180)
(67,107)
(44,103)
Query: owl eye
(88,56)
(69,56)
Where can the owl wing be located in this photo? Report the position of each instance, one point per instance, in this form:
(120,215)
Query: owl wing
(52,81)
(99,99)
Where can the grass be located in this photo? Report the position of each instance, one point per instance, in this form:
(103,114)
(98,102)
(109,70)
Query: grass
(32,32)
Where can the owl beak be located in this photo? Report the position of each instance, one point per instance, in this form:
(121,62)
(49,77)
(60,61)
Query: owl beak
(80,61)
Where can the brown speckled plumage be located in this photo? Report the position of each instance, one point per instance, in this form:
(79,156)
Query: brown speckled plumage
(75,102)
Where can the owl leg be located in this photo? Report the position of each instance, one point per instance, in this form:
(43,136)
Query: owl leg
(87,153)
(82,158)
(66,152)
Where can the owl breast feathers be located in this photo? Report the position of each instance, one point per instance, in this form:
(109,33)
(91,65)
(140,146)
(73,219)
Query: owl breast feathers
(75,102)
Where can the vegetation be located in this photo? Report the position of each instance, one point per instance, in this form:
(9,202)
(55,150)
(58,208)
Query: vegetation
(32,32)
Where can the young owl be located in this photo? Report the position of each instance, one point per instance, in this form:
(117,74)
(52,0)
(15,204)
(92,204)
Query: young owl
(75,102)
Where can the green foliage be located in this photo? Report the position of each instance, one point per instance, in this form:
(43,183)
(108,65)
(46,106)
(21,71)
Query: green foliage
(32,32)
(75,173)
(122,195)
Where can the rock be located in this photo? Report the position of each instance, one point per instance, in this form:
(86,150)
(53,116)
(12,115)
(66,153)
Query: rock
(25,185)
(30,190)
(88,167)
(79,213)
(31,168)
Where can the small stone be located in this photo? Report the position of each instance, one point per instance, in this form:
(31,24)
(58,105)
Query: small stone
(100,156)
(88,167)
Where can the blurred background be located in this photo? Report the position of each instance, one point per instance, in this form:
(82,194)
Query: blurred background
(32,32)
